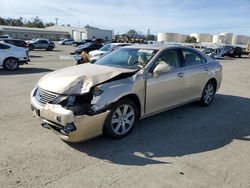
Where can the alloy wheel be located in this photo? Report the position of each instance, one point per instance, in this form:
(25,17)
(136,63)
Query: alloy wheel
(208,93)
(122,119)
(11,64)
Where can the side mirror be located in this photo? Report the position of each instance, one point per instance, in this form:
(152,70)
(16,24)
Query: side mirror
(161,68)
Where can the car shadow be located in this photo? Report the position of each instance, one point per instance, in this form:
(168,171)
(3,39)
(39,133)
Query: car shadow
(183,131)
(25,70)
(35,56)
(44,50)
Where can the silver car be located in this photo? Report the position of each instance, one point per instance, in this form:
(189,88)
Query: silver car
(126,85)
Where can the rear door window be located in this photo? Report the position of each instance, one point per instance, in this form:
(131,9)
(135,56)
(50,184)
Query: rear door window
(192,58)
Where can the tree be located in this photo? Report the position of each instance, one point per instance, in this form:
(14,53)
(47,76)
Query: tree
(35,22)
(49,24)
(190,39)
(150,37)
(132,33)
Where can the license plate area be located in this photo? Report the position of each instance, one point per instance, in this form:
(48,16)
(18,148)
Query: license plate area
(36,111)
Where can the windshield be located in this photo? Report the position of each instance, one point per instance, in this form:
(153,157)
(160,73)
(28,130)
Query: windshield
(130,58)
(107,47)
(85,45)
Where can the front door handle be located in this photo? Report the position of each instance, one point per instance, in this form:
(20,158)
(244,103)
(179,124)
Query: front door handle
(181,74)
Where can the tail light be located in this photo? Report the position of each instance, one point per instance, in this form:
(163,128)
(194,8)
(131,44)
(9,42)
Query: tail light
(25,45)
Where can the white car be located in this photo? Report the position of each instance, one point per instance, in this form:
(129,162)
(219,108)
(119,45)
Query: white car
(66,42)
(215,53)
(11,56)
(96,54)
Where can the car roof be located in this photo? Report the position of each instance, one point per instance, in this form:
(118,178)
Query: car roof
(119,43)
(11,39)
(42,39)
(158,46)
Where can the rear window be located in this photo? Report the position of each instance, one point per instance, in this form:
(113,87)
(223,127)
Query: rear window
(3,46)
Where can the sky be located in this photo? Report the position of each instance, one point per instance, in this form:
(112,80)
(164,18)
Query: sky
(180,16)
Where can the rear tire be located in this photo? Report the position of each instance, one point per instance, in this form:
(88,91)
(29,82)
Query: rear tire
(121,120)
(208,93)
(11,64)
(31,47)
(49,48)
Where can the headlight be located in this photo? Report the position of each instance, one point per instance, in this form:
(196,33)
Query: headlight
(59,99)
(67,100)
(97,91)
(96,55)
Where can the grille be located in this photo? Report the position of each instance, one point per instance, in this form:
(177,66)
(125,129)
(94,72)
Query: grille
(44,96)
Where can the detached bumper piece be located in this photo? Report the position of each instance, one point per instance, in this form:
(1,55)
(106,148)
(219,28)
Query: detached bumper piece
(70,127)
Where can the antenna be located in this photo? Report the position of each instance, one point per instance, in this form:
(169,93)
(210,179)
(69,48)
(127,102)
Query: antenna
(56,20)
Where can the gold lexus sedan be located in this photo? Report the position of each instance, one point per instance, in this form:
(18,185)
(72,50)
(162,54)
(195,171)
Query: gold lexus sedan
(124,86)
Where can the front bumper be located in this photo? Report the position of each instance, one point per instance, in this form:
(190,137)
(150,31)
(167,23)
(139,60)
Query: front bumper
(57,117)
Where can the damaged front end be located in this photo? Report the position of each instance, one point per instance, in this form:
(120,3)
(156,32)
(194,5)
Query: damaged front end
(72,116)
(76,106)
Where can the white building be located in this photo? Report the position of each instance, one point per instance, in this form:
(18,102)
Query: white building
(56,32)
(28,33)
(169,37)
(87,32)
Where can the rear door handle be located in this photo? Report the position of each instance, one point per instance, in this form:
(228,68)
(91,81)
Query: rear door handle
(181,74)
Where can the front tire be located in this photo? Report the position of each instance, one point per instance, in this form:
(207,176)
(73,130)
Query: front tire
(208,94)
(121,120)
(11,64)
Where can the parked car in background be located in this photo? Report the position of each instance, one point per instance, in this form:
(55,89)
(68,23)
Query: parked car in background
(215,53)
(67,42)
(11,56)
(16,42)
(96,54)
(46,44)
(5,37)
(76,43)
(100,41)
(88,47)
(124,86)
(233,51)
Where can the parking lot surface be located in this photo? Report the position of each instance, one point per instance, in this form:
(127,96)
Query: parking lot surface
(190,146)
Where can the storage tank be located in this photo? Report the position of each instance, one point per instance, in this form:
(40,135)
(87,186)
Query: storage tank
(202,37)
(228,37)
(168,37)
(183,37)
(239,39)
(218,39)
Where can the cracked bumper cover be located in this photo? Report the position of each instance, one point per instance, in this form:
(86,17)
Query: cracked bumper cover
(87,126)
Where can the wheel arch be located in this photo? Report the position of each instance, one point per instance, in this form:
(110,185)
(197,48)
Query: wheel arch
(214,81)
(10,58)
(133,97)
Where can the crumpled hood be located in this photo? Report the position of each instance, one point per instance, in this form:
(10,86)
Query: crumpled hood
(79,79)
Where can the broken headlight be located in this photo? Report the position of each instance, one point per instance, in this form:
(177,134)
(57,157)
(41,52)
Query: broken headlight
(65,100)
(59,99)
(97,91)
